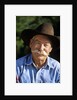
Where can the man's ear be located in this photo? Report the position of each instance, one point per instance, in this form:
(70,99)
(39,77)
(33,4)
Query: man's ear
(31,43)
(51,49)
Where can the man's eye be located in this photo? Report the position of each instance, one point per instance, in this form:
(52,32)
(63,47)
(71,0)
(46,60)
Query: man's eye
(45,45)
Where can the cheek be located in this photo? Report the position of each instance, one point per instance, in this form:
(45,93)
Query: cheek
(33,46)
(48,50)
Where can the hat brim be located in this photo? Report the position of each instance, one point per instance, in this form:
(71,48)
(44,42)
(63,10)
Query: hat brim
(27,34)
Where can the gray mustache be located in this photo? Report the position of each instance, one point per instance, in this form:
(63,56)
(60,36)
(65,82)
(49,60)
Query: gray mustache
(40,52)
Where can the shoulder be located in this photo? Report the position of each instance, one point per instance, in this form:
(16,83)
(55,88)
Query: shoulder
(53,62)
(22,60)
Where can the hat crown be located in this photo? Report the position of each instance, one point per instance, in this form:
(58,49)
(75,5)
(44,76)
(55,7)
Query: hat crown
(46,28)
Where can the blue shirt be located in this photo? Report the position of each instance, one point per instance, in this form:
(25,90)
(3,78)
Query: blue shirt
(26,72)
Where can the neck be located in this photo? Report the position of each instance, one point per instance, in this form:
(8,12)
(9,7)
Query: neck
(39,63)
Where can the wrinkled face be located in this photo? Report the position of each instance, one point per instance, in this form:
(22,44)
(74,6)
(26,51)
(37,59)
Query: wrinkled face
(40,46)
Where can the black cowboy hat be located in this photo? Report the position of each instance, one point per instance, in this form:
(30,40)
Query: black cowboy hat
(44,29)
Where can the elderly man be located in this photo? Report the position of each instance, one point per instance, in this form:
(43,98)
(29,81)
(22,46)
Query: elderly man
(38,67)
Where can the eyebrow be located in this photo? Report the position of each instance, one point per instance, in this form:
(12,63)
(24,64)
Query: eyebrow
(36,39)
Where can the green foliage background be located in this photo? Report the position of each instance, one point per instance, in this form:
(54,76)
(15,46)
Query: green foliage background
(31,22)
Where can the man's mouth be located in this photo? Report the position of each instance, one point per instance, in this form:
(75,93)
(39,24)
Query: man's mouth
(40,52)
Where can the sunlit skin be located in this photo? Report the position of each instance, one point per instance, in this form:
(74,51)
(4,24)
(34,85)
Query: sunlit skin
(43,45)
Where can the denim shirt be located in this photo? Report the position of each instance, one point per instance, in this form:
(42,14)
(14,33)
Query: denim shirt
(26,72)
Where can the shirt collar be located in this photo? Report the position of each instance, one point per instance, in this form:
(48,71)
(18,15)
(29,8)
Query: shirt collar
(29,61)
(50,62)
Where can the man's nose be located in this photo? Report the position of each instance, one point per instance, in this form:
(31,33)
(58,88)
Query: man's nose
(41,47)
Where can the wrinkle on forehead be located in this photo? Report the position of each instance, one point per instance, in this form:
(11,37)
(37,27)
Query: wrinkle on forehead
(41,38)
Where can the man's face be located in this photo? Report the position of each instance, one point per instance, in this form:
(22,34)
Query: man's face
(40,46)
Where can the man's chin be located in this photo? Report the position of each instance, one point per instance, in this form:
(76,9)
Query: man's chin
(41,57)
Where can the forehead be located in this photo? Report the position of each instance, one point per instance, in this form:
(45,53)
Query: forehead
(41,38)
